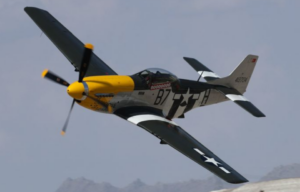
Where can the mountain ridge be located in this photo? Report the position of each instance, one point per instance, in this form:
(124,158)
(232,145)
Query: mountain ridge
(205,185)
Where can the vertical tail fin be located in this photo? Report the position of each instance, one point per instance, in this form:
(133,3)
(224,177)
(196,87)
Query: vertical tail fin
(240,77)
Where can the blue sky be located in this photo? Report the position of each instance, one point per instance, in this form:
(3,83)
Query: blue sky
(131,36)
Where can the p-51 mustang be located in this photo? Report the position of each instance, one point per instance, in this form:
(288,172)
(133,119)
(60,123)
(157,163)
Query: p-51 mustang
(151,98)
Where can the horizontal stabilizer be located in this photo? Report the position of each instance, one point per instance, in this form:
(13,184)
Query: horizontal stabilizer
(204,72)
(239,99)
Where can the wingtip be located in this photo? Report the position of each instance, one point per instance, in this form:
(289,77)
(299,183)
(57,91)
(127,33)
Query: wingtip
(32,9)
(262,115)
(244,180)
(189,59)
(26,9)
(238,181)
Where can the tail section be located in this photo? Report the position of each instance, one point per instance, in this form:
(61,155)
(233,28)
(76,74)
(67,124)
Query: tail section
(240,77)
(234,85)
(237,83)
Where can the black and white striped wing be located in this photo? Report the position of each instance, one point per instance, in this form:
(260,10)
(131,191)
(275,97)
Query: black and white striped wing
(170,133)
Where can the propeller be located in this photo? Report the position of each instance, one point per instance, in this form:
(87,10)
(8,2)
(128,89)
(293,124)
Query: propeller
(87,53)
(85,61)
(63,131)
(55,78)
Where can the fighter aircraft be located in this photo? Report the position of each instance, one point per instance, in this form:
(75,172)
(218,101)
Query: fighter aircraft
(151,98)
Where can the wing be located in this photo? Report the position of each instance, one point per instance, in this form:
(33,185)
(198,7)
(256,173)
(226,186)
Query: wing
(66,42)
(170,133)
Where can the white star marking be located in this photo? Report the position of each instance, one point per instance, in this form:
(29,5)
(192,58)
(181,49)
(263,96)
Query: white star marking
(212,160)
(186,97)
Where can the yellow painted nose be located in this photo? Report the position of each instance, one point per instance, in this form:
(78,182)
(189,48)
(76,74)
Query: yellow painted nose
(76,90)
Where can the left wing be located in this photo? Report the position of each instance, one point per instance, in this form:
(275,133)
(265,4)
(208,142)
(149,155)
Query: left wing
(170,133)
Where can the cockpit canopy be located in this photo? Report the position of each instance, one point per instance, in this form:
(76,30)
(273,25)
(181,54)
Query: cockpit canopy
(155,78)
(156,75)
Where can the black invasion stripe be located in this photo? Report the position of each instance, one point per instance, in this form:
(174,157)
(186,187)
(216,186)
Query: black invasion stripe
(174,107)
(190,104)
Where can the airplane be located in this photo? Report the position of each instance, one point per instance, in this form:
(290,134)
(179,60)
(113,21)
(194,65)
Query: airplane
(151,98)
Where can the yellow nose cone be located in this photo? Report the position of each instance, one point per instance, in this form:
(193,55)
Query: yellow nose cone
(76,90)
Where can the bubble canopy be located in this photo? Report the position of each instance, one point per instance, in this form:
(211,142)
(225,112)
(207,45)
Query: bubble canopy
(157,75)
(158,70)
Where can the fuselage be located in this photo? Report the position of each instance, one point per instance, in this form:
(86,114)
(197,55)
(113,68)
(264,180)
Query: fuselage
(161,91)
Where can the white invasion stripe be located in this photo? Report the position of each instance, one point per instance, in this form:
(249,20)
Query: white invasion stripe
(236,97)
(200,152)
(177,96)
(140,118)
(208,74)
(196,96)
(201,98)
(225,170)
(179,111)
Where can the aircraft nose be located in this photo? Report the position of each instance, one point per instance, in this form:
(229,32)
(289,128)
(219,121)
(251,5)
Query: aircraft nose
(77,90)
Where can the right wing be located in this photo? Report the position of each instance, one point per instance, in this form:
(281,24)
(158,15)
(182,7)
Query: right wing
(66,42)
(170,133)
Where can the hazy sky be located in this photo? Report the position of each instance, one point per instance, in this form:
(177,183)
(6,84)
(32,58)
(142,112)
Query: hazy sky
(130,36)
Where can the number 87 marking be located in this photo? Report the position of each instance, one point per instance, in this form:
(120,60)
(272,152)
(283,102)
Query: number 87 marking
(159,98)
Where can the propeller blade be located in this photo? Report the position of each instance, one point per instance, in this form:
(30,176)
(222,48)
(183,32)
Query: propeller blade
(63,131)
(85,61)
(53,77)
